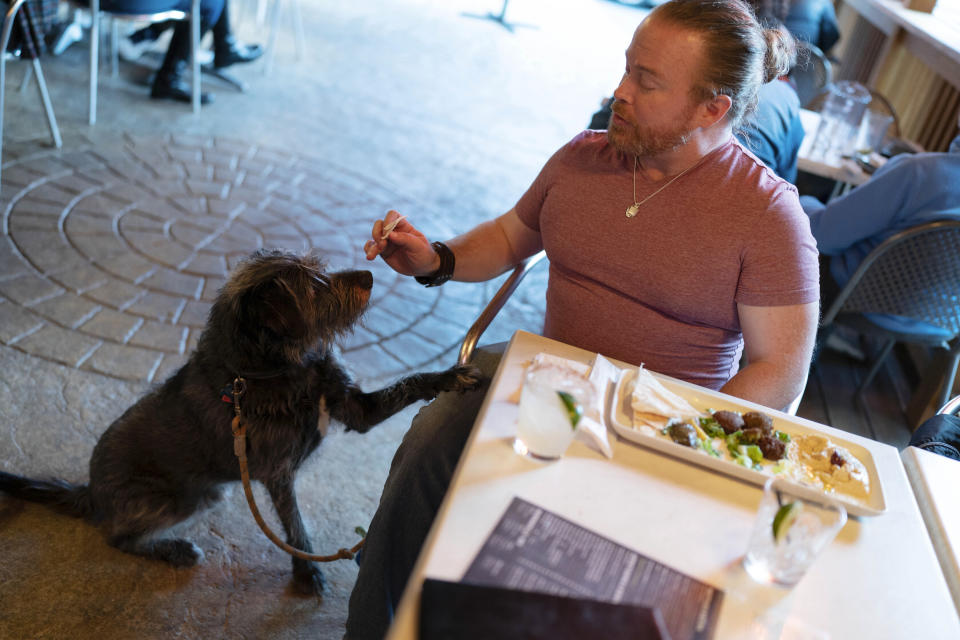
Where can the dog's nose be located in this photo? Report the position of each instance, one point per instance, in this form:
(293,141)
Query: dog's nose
(365,279)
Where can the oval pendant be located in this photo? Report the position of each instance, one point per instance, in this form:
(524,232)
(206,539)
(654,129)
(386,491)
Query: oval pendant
(632,210)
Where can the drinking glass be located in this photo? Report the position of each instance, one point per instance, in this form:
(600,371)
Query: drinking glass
(840,120)
(549,404)
(781,549)
(873,131)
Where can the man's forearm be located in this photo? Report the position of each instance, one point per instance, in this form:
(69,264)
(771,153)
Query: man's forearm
(767,384)
(492,247)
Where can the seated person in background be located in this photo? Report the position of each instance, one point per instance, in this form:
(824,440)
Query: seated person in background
(169,81)
(227,50)
(773,131)
(669,245)
(908,190)
(814,21)
(939,434)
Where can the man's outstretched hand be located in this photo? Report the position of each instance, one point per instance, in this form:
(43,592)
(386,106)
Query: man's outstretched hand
(404,248)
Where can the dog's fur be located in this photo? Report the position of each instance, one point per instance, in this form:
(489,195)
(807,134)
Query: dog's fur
(273,323)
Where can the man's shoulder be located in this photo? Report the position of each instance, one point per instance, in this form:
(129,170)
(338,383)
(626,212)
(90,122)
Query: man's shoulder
(743,170)
(589,141)
(588,150)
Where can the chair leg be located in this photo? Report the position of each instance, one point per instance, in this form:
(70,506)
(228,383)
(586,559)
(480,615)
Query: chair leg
(272,41)
(94,59)
(25,82)
(950,375)
(47,106)
(194,51)
(4,41)
(114,46)
(884,352)
(3,84)
(299,37)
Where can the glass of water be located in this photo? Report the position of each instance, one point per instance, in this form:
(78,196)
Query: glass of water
(551,403)
(789,532)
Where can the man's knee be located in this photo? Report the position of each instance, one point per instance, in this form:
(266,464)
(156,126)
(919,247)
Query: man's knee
(432,446)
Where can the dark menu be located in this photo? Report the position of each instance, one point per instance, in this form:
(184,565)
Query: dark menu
(532,549)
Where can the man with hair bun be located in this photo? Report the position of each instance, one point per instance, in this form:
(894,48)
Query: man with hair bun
(669,245)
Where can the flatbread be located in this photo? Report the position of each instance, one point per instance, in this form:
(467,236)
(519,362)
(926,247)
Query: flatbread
(655,405)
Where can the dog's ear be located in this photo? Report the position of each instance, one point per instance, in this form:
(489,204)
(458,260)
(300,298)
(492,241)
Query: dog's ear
(274,307)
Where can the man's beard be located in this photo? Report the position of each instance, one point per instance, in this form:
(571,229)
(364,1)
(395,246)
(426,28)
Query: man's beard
(638,140)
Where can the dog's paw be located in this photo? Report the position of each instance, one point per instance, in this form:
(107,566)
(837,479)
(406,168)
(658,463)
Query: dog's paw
(178,552)
(308,580)
(463,378)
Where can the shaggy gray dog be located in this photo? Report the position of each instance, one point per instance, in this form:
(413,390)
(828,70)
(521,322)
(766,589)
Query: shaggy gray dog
(167,456)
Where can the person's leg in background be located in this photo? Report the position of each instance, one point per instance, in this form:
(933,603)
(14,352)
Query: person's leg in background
(226,49)
(939,434)
(419,476)
(170,82)
(132,47)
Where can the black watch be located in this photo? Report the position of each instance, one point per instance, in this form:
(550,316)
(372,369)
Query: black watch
(444,272)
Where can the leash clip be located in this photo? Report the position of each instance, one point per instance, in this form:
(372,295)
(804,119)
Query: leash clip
(239,388)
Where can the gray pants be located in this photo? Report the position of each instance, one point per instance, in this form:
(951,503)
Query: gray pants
(419,476)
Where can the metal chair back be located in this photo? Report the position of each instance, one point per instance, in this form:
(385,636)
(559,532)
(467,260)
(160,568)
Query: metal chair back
(914,274)
(812,74)
(952,408)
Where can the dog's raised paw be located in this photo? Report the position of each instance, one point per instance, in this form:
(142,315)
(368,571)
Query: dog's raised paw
(467,378)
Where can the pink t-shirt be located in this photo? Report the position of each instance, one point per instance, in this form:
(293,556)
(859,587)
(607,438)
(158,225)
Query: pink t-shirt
(662,288)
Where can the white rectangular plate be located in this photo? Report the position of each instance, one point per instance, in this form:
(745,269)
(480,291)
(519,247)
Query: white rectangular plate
(621,420)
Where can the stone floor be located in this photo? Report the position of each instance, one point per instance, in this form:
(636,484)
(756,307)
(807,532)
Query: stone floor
(112,247)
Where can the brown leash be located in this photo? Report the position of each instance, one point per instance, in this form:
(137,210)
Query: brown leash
(239,428)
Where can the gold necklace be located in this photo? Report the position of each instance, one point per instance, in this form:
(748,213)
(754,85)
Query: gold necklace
(635,207)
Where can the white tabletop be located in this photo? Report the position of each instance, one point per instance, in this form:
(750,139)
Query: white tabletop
(935,481)
(845,170)
(879,579)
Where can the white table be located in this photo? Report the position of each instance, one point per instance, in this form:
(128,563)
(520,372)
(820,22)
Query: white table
(936,485)
(879,579)
(845,172)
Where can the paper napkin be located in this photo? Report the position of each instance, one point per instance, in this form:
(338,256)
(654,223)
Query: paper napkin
(592,429)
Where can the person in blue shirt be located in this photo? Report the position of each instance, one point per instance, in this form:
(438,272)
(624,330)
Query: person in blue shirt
(774,131)
(814,21)
(910,189)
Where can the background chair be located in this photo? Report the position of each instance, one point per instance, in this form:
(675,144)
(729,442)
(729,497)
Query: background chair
(27,49)
(952,408)
(97,13)
(940,433)
(299,39)
(908,290)
(879,102)
(812,74)
(496,303)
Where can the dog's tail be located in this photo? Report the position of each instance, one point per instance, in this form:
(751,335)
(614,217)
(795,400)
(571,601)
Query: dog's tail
(69,499)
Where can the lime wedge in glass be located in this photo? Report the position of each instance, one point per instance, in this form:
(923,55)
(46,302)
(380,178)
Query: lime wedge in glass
(784,519)
(574,409)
